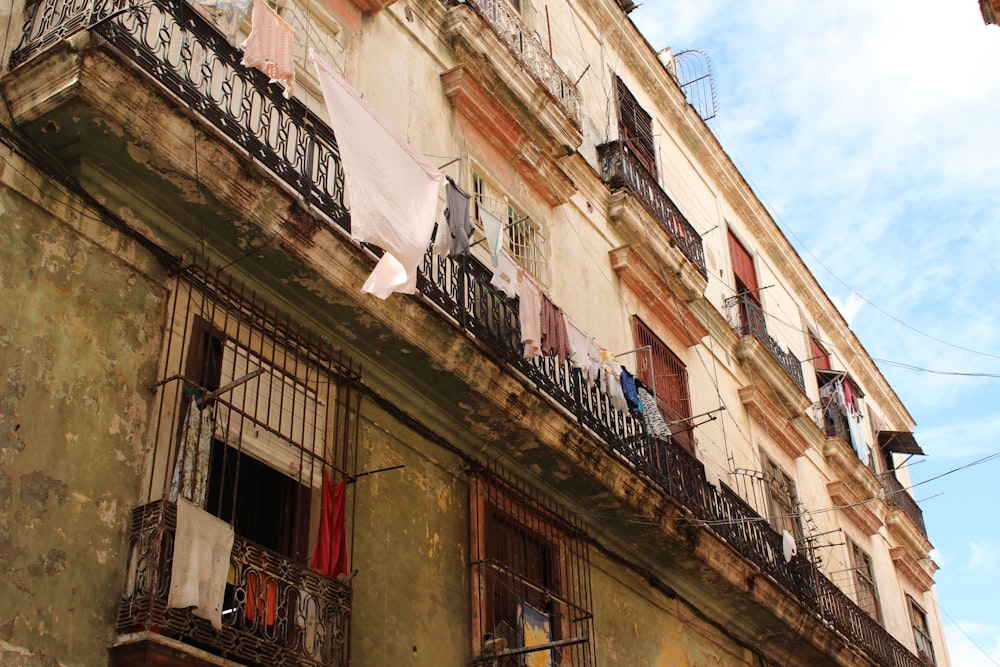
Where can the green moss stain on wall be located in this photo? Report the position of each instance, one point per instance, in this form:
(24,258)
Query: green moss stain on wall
(79,340)
(411,604)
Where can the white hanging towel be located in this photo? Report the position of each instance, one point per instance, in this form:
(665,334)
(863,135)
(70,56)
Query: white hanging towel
(493,228)
(393,188)
(788,547)
(270,45)
(505,275)
(202,546)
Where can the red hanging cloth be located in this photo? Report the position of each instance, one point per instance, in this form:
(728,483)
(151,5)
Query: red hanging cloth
(330,554)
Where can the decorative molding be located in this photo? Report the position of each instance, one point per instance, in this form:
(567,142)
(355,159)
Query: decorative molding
(902,529)
(787,394)
(658,294)
(649,241)
(494,121)
(910,568)
(854,508)
(778,426)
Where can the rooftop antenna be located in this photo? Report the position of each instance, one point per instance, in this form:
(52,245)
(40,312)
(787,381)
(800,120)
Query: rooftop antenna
(694,76)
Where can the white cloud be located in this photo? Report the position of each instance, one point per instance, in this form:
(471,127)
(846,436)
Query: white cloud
(981,650)
(984,557)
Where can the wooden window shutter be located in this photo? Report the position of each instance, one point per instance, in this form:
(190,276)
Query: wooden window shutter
(743,268)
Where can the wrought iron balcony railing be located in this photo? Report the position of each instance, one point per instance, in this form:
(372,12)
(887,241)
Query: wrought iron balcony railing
(747,319)
(897,496)
(276,612)
(461,289)
(528,50)
(189,59)
(619,169)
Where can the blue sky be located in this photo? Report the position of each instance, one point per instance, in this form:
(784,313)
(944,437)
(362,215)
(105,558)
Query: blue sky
(871,130)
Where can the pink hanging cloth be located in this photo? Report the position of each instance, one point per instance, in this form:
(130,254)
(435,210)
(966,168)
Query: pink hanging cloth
(270,45)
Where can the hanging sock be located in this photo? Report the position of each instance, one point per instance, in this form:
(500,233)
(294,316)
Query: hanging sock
(270,46)
(393,188)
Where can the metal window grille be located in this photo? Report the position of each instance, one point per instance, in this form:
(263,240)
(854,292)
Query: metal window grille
(522,238)
(530,577)
(783,501)
(251,412)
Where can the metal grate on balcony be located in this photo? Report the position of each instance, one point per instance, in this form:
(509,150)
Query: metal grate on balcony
(747,319)
(897,496)
(528,49)
(620,169)
(190,60)
(276,612)
(461,289)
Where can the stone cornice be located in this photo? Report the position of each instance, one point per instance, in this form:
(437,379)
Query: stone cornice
(778,425)
(853,507)
(656,291)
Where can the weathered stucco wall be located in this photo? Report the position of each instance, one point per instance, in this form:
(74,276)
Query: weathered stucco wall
(411,604)
(79,338)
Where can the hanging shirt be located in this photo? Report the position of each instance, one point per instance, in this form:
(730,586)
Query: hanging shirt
(613,388)
(554,340)
(530,309)
(270,45)
(505,275)
(457,214)
(629,390)
(493,227)
(579,344)
(393,188)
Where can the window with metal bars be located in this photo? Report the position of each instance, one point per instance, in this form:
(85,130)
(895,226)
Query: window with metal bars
(522,237)
(865,589)
(783,500)
(251,413)
(921,632)
(666,376)
(635,128)
(530,576)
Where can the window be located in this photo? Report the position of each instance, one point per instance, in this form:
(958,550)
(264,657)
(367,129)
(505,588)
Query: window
(921,632)
(664,374)
(783,501)
(530,578)
(744,271)
(635,127)
(251,416)
(865,590)
(248,414)
(522,238)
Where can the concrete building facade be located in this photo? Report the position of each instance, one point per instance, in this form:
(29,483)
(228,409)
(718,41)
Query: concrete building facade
(184,342)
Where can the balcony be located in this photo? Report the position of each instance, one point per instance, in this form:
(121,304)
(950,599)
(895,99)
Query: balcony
(276,612)
(191,61)
(747,319)
(620,170)
(531,54)
(897,496)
